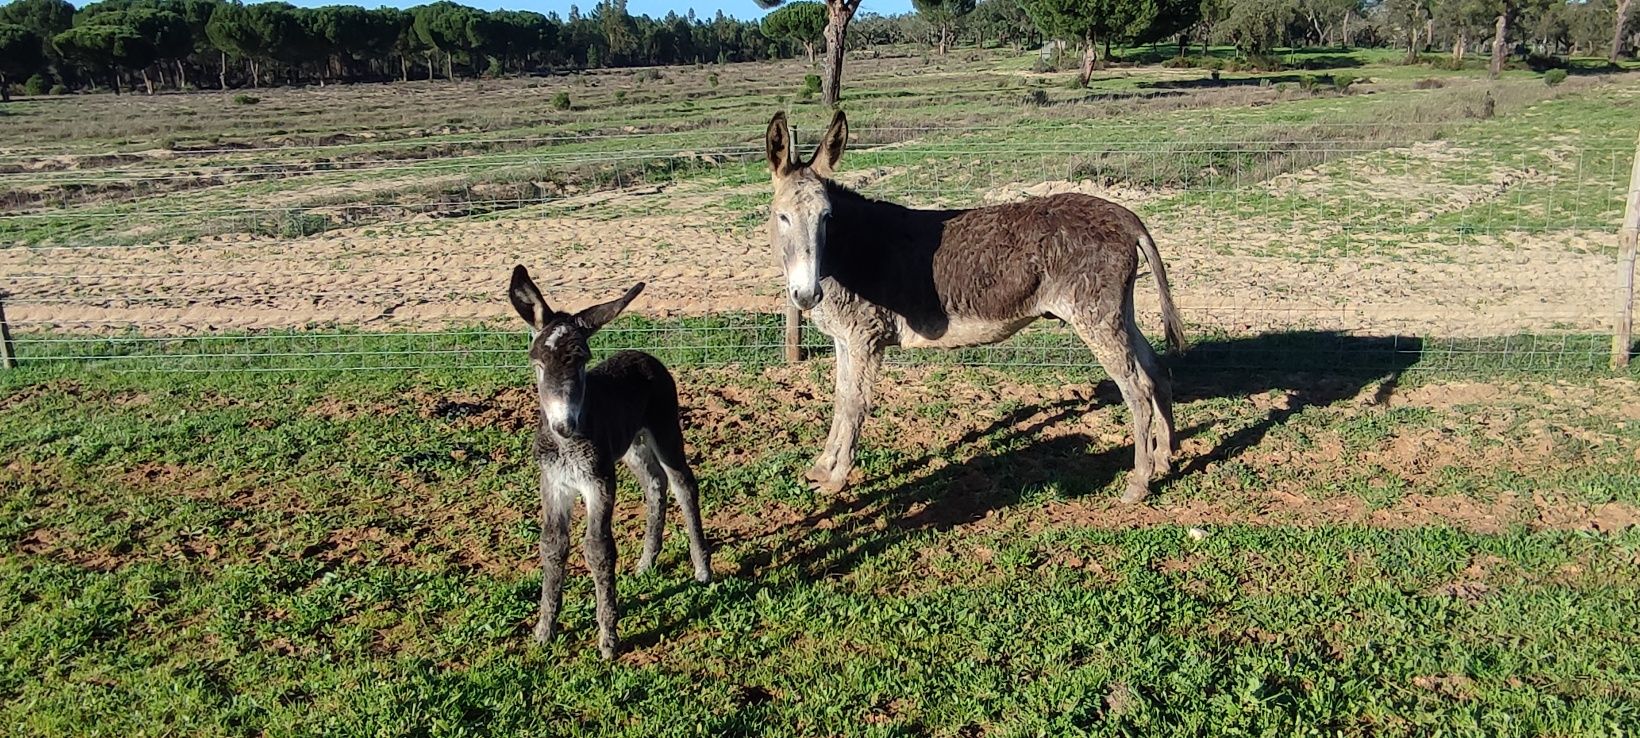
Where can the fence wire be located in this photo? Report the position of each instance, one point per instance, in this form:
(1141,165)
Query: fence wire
(1309,246)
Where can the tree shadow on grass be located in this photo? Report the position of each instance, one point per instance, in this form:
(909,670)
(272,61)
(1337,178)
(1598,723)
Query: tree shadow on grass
(929,492)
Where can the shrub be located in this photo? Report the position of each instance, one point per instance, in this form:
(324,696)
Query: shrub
(1075,82)
(1343,81)
(243,99)
(1429,83)
(1544,62)
(1307,83)
(36,85)
(560,101)
(723,57)
(1554,77)
(1447,63)
(712,79)
(1038,97)
(1263,63)
(59,89)
(1264,82)
(811,85)
(1043,66)
(620,96)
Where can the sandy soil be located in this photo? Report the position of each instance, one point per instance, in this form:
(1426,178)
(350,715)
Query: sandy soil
(697,259)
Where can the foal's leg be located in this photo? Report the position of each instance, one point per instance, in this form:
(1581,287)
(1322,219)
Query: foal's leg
(599,547)
(1112,347)
(556,505)
(667,440)
(857,367)
(652,477)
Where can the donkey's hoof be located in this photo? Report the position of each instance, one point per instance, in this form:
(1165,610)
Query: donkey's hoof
(1162,466)
(607,648)
(829,486)
(818,474)
(703,576)
(544,631)
(646,564)
(1135,493)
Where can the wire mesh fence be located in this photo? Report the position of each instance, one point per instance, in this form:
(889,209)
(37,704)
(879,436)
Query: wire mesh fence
(1362,246)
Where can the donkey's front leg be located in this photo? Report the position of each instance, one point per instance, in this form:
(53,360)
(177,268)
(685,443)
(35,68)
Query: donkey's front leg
(821,471)
(853,403)
(599,548)
(556,505)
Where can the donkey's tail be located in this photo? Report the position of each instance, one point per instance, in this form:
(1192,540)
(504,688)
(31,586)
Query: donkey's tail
(1173,326)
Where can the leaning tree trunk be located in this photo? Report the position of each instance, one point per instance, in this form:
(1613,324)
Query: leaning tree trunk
(256,75)
(182,75)
(404,69)
(222,73)
(429,57)
(1347,38)
(838,15)
(147,82)
(1498,46)
(1620,23)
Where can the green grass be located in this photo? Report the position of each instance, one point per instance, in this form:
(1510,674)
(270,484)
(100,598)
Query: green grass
(350,553)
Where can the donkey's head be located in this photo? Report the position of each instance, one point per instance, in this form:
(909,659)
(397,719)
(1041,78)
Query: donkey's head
(558,350)
(801,207)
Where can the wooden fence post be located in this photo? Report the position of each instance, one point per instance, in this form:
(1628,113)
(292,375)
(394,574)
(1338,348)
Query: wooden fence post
(794,317)
(8,350)
(1623,339)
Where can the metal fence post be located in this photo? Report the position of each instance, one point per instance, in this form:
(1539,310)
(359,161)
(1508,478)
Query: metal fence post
(8,350)
(1623,339)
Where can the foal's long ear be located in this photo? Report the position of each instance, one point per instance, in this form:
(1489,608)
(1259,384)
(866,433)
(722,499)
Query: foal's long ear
(527,299)
(831,146)
(596,316)
(777,144)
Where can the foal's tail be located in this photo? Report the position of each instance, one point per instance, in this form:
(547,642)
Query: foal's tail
(1173,326)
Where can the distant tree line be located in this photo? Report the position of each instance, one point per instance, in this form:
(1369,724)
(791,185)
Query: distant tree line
(212,43)
(215,43)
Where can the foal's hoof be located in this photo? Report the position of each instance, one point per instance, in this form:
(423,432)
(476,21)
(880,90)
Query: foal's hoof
(607,648)
(1135,493)
(544,631)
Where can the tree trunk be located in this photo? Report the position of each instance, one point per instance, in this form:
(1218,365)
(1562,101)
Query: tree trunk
(945,38)
(5,89)
(1617,32)
(116,78)
(182,75)
(1429,33)
(1412,47)
(449,66)
(1498,46)
(222,73)
(429,66)
(1106,57)
(1089,51)
(838,15)
(1347,38)
(808,47)
(256,75)
(1459,46)
(404,69)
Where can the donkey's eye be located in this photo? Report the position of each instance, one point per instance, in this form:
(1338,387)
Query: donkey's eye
(784,220)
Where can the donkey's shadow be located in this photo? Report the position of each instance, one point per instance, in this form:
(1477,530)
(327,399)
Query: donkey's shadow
(1315,368)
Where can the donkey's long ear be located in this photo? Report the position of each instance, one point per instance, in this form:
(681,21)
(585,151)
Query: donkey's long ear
(596,316)
(527,299)
(777,144)
(831,146)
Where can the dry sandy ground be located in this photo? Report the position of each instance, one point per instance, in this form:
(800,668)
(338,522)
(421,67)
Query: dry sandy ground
(698,257)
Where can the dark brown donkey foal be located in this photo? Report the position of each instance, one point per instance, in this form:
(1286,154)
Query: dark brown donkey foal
(876,274)
(625,408)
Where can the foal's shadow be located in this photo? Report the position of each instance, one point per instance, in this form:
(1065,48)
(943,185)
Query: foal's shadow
(1315,368)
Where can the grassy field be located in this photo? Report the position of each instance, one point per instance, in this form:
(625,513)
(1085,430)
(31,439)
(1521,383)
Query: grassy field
(350,553)
(264,470)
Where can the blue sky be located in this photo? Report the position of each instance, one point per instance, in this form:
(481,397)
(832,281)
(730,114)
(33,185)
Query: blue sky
(654,8)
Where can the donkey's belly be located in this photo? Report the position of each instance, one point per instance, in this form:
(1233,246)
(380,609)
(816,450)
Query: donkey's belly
(960,332)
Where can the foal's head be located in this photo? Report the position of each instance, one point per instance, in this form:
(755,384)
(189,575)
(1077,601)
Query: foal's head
(558,350)
(801,206)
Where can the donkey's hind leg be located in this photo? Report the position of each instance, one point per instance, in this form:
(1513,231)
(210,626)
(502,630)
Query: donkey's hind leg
(666,441)
(1164,441)
(652,478)
(1111,346)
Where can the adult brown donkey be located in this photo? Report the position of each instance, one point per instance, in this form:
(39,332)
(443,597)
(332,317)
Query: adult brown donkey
(876,274)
